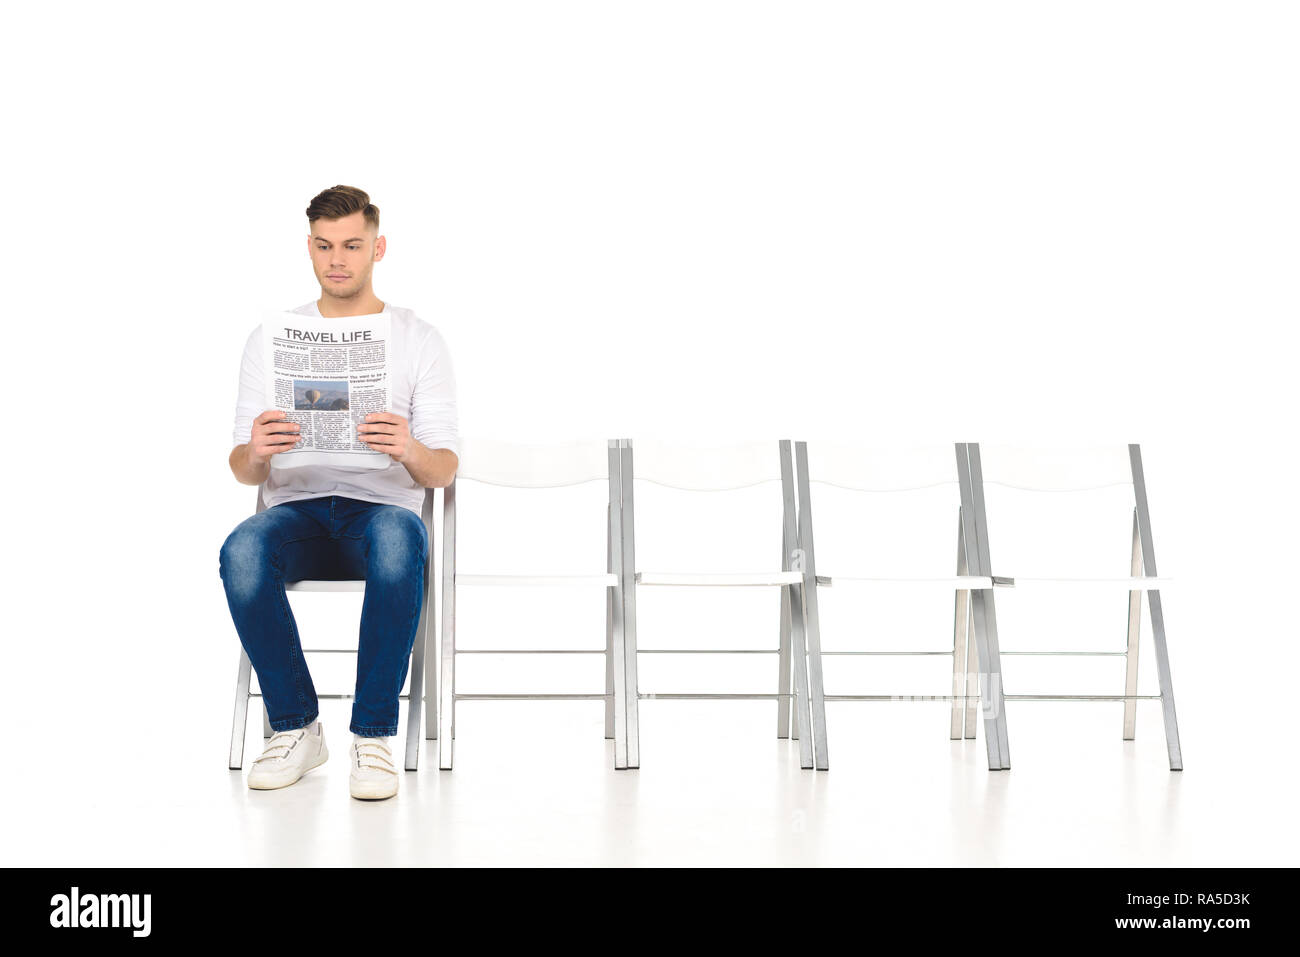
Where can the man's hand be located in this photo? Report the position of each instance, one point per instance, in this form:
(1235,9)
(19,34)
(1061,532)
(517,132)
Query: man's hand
(387,432)
(271,434)
(251,462)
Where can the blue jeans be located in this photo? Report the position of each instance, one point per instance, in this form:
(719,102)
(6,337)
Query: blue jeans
(334,539)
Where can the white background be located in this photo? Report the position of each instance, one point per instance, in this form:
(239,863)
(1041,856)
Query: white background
(1034,223)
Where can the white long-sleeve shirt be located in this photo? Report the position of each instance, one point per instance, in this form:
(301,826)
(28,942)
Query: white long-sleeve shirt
(423,392)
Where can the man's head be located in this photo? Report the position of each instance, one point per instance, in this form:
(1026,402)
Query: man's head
(344,242)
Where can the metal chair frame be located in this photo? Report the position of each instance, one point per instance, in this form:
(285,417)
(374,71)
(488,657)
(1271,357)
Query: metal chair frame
(1143,578)
(971,589)
(797,651)
(614,695)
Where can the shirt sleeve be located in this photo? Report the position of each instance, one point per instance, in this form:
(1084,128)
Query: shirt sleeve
(433,403)
(249,404)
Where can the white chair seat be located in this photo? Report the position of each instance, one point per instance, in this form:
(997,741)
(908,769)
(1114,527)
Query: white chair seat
(962,582)
(743,578)
(608,580)
(326,586)
(1122,584)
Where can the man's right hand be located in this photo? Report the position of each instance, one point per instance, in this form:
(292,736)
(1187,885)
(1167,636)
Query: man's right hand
(271,434)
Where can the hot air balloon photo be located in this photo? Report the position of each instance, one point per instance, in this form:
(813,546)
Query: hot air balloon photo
(320,395)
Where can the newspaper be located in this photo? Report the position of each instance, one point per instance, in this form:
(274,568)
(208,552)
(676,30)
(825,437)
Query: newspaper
(327,374)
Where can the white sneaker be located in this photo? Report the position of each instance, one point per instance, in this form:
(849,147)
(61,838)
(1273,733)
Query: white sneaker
(372,774)
(288,756)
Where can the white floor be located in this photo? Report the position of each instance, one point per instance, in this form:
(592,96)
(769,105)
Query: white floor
(533,785)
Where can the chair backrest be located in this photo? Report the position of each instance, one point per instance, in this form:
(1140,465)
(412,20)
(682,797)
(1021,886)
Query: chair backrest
(907,524)
(533,515)
(1056,468)
(519,465)
(679,530)
(1061,511)
(710,468)
(873,469)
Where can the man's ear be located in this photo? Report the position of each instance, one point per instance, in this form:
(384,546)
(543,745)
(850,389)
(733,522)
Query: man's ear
(381,246)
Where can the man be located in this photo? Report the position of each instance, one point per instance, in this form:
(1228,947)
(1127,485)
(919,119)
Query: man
(339,523)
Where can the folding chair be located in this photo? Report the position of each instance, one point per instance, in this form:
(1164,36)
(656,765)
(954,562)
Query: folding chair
(536,467)
(720,469)
(1070,470)
(863,469)
(414,699)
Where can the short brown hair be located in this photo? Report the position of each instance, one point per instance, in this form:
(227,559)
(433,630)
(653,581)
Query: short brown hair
(339,201)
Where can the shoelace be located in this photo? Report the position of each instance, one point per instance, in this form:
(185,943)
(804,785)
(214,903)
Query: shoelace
(289,736)
(384,756)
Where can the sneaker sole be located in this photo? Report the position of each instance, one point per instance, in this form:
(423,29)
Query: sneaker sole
(275,787)
(369,792)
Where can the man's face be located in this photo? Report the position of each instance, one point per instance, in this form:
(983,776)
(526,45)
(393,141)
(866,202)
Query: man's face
(343,254)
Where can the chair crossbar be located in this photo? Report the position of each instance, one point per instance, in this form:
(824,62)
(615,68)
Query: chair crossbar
(530,651)
(975,697)
(714,696)
(949,652)
(1083,697)
(528,696)
(607,580)
(332,697)
(740,579)
(709,651)
(901,697)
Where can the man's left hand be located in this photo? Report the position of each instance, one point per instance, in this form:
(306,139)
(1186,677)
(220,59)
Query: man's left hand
(387,432)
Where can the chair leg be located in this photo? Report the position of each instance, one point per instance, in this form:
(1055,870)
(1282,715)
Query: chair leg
(429,630)
(239,726)
(1131,650)
(609,629)
(447,687)
(983,611)
(816,692)
(415,696)
(972,678)
(960,617)
(784,684)
(1172,740)
(792,560)
(802,722)
(627,570)
(266,720)
(615,608)
(817,697)
(609,664)
(447,702)
(990,692)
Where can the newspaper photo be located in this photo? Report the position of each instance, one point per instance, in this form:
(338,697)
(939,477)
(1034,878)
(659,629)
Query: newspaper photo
(326,375)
